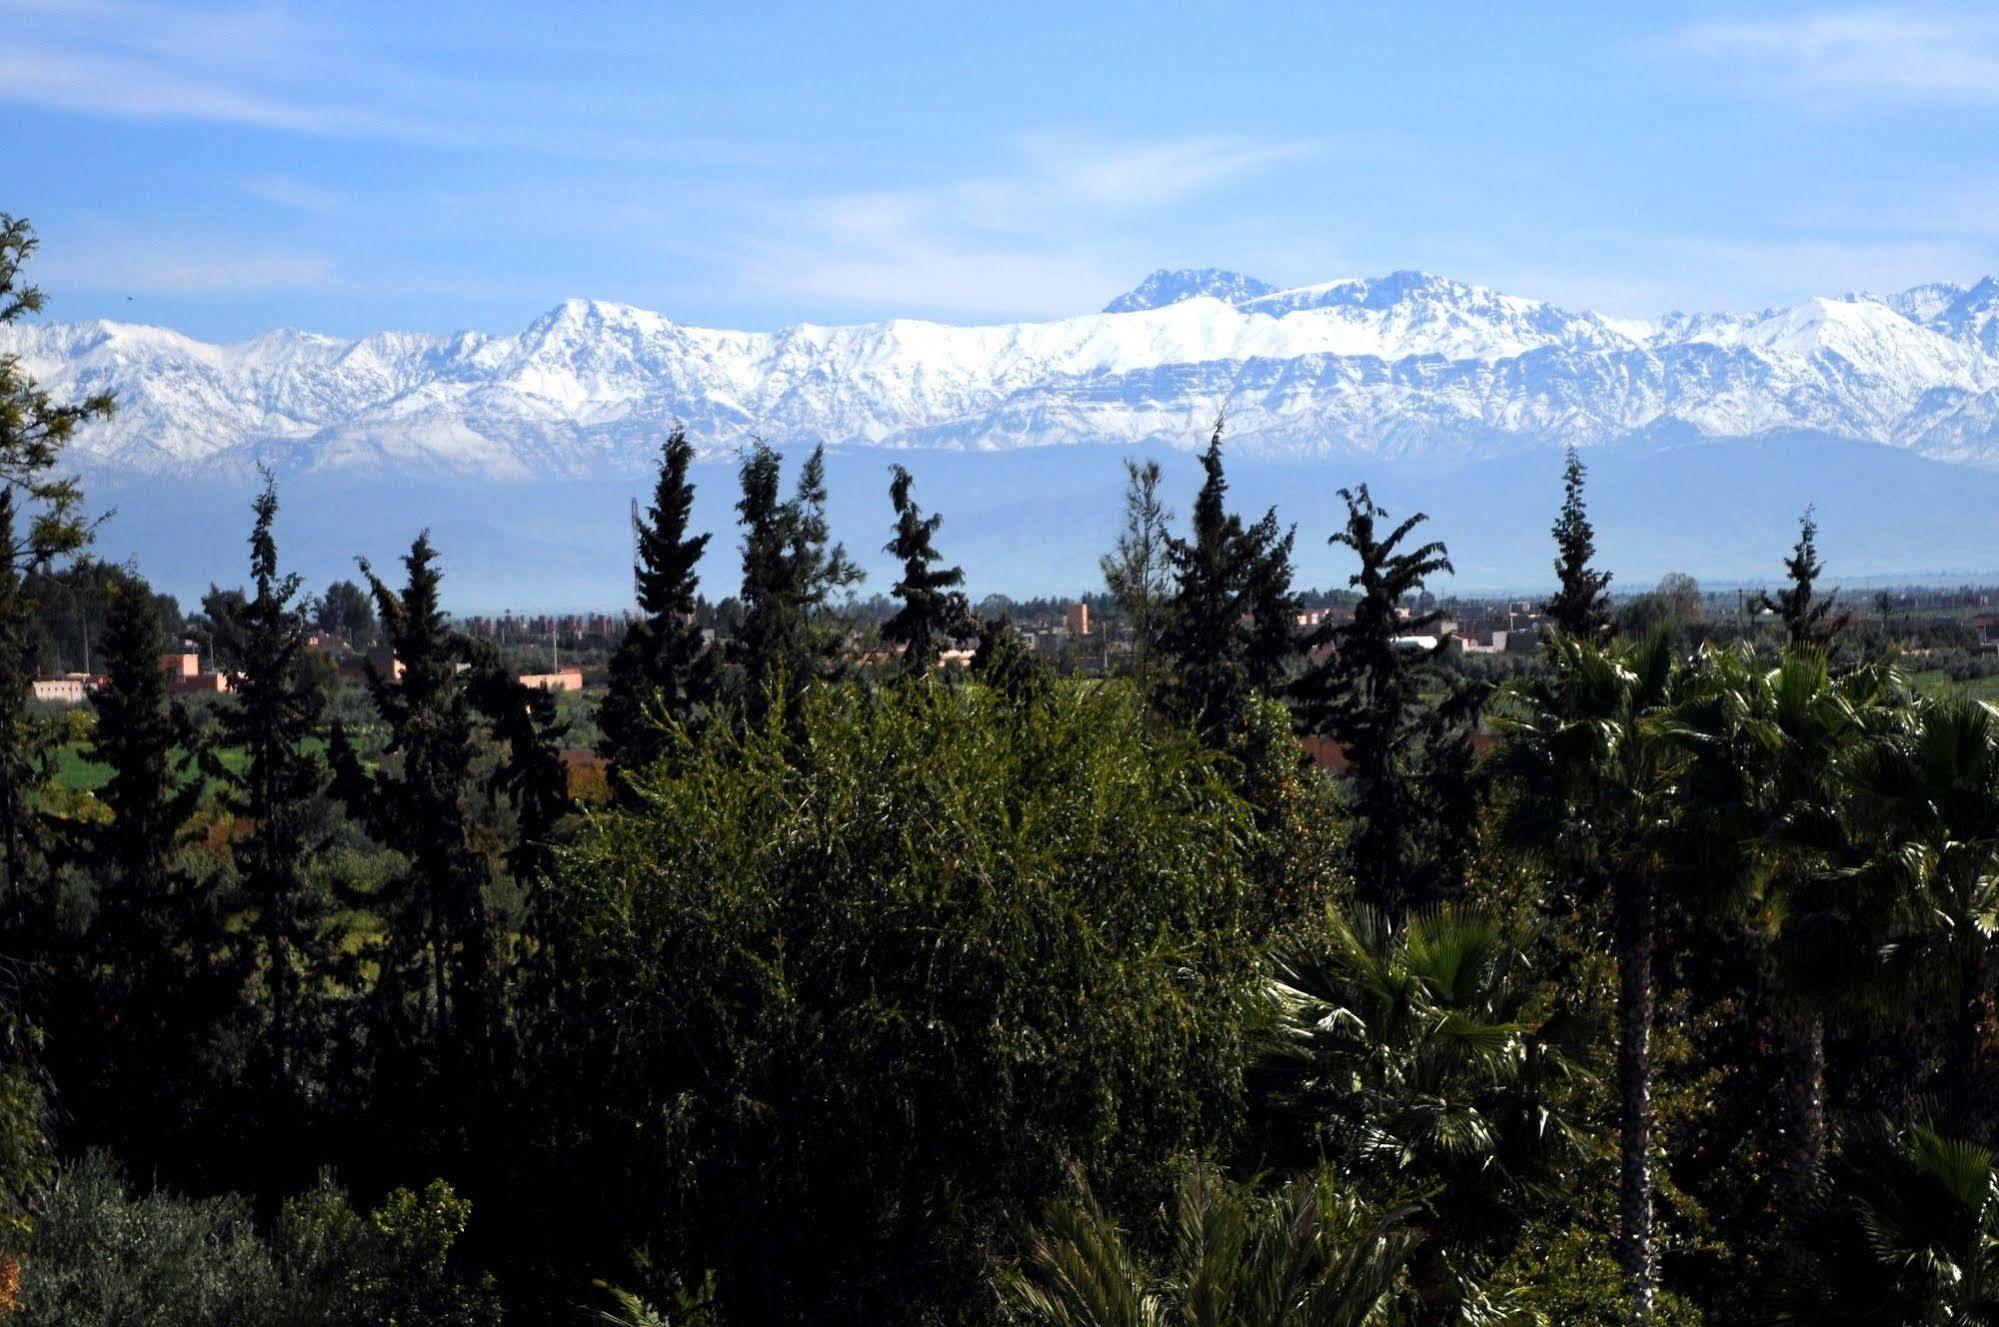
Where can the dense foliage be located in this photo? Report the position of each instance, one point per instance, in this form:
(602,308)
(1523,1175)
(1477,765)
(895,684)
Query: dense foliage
(1281,966)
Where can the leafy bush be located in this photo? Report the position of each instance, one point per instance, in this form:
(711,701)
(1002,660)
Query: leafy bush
(100,1254)
(861,982)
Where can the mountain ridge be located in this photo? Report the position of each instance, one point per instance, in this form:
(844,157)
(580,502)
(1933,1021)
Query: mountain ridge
(1404,366)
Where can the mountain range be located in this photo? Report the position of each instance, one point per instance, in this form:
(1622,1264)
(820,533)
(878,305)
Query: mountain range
(1706,434)
(1406,366)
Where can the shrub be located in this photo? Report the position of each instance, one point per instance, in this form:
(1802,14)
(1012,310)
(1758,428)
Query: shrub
(864,980)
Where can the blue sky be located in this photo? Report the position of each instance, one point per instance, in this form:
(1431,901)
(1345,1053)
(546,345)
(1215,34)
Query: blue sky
(348,167)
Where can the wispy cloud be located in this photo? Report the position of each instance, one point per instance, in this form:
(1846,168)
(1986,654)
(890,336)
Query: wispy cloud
(1883,54)
(1021,242)
(287,192)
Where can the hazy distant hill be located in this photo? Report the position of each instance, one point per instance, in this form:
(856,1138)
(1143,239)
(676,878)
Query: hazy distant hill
(1706,433)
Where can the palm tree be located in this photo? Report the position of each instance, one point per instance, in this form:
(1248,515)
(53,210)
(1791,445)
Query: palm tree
(1418,1060)
(1924,802)
(1593,771)
(1770,748)
(1903,1232)
(1310,1255)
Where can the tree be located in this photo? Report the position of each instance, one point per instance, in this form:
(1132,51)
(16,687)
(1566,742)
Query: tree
(1364,694)
(1592,779)
(934,611)
(34,429)
(1772,758)
(437,992)
(1422,1059)
(1229,629)
(1581,607)
(1138,571)
(1026,922)
(1311,1253)
(1807,617)
(152,942)
(344,611)
(789,573)
(662,669)
(1904,1232)
(275,792)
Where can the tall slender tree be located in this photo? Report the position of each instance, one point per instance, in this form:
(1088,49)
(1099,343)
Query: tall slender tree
(1593,779)
(275,792)
(34,429)
(1229,629)
(1809,621)
(440,957)
(1363,694)
(1581,606)
(1138,571)
(662,669)
(144,898)
(150,990)
(934,611)
(790,570)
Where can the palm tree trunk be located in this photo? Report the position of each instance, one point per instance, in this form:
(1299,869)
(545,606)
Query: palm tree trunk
(1635,907)
(1805,1107)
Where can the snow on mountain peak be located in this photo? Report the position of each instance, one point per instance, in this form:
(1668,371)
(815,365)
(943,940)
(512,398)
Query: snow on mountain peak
(1406,363)
(1166,287)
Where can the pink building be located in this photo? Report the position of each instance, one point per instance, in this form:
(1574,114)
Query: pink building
(565,679)
(1077,619)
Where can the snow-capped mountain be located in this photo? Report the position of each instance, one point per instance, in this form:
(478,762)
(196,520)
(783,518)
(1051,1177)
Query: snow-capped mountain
(1403,366)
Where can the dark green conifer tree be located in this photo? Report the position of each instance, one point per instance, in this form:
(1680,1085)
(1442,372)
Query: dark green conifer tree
(437,990)
(1808,618)
(934,611)
(275,792)
(663,668)
(1364,695)
(34,429)
(790,570)
(1230,627)
(1581,606)
(152,991)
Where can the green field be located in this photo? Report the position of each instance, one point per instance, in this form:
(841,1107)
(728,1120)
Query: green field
(1936,682)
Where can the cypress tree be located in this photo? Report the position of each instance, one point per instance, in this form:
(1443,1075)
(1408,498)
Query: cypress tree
(439,964)
(933,610)
(143,898)
(789,572)
(1808,619)
(1581,606)
(275,793)
(662,668)
(34,429)
(1229,626)
(152,991)
(1364,693)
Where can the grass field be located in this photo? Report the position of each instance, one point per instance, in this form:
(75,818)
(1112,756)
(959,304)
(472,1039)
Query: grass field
(1936,682)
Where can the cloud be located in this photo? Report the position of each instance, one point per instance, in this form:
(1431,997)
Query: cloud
(1878,55)
(297,195)
(1024,242)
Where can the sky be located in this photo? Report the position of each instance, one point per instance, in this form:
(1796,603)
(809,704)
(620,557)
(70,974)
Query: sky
(226,169)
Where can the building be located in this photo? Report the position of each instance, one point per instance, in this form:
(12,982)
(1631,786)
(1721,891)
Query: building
(562,679)
(1077,619)
(71,690)
(180,664)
